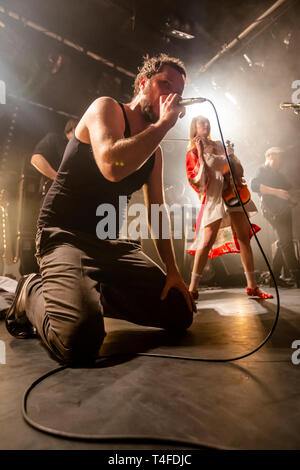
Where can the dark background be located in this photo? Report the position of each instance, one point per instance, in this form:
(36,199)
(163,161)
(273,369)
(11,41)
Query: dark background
(35,35)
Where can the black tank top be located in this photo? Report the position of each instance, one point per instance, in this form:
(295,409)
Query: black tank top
(79,188)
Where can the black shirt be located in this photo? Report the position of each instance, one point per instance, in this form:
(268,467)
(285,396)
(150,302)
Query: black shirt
(275,179)
(79,188)
(52,147)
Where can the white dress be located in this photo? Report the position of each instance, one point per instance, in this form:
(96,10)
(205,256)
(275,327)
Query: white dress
(210,181)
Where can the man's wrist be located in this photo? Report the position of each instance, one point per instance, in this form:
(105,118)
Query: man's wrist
(172,269)
(163,126)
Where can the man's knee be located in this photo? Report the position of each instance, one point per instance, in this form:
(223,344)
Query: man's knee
(82,352)
(181,315)
(81,341)
(186,319)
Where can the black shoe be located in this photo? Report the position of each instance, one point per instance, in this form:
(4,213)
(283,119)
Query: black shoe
(16,320)
(296,277)
(282,283)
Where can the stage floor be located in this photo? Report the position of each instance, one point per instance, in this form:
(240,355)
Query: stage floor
(253,403)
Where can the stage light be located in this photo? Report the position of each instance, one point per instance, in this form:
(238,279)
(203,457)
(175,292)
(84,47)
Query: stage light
(248,60)
(175,28)
(287,39)
(180,34)
(254,65)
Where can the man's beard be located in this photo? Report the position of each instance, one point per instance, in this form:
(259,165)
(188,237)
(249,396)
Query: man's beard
(147,112)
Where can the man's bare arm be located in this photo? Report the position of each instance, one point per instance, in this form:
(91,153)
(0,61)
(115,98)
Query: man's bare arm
(281,193)
(153,192)
(42,165)
(116,156)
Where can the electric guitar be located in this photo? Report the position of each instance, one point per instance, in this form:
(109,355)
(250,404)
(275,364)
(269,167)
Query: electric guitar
(9,264)
(275,207)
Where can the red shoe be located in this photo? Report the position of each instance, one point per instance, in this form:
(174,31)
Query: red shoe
(258,293)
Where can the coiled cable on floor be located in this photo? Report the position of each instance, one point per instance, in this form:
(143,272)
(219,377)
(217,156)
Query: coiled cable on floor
(105,438)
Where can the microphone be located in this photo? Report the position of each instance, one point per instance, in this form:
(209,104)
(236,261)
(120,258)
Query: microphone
(289,105)
(188,101)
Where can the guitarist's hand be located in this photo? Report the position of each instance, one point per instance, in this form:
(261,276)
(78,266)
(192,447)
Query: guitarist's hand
(282,194)
(230,150)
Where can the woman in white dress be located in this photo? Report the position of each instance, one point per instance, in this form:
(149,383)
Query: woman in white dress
(220,229)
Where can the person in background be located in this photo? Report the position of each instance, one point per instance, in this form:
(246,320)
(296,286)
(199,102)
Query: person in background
(48,154)
(277,203)
(46,158)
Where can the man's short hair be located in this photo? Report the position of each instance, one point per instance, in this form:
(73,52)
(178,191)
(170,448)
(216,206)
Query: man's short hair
(153,65)
(70,125)
(273,151)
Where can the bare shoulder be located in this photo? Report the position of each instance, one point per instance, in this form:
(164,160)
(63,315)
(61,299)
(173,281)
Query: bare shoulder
(104,117)
(104,104)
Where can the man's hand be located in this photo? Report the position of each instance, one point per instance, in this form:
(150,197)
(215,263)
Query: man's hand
(230,150)
(282,194)
(170,109)
(174,280)
(43,166)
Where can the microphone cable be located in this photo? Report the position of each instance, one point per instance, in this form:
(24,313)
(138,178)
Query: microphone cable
(156,439)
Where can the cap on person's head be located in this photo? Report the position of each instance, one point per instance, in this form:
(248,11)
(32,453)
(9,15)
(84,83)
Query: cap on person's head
(273,151)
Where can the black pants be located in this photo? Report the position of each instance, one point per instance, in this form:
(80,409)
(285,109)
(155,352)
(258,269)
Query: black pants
(84,279)
(282,224)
